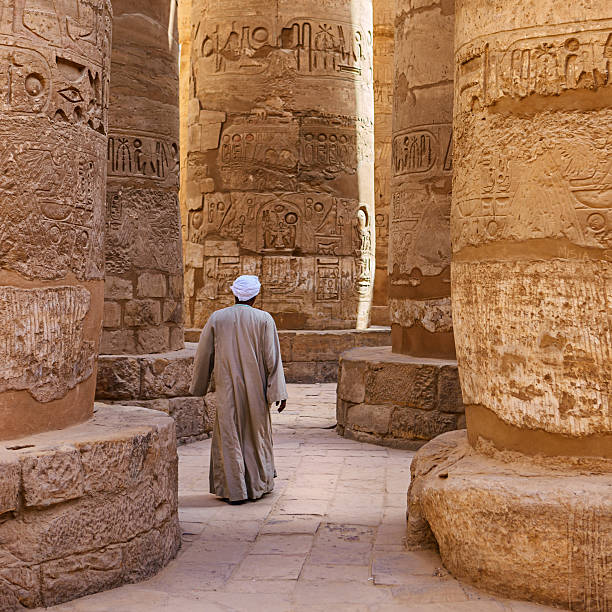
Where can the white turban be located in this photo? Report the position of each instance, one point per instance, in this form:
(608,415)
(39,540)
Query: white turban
(246,287)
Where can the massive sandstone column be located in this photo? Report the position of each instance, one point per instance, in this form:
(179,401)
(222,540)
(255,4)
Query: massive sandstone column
(184,34)
(280,159)
(532,274)
(144,272)
(409,394)
(54,90)
(86,503)
(144,360)
(384,34)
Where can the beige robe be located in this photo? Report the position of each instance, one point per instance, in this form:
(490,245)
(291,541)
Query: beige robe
(240,344)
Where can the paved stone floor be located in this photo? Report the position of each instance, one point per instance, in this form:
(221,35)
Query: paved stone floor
(329,537)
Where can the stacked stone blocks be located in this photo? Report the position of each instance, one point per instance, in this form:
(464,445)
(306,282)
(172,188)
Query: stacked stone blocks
(88,508)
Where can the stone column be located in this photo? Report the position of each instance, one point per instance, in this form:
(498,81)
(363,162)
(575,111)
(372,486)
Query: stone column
(281,159)
(54,85)
(384,34)
(144,273)
(184,33)
(419,254)
(532,272)
(409,393)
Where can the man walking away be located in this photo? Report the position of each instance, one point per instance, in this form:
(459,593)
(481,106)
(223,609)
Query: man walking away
(240,344)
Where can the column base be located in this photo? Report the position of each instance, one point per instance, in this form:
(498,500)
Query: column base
(158,382)
(396,400)
(534,528)
(311,356)
(88,508)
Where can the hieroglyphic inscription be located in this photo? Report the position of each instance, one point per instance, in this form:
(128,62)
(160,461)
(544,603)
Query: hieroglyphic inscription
(420,149)
(142,231)
(545,65)
(42,348)
(151,157)
(233,45)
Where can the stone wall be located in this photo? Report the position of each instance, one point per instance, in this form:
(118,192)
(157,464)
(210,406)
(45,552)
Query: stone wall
(143,310)
(280,161)
(53,129)
(88,508)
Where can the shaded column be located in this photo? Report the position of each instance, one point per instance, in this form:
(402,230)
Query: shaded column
(419,255)
(384,34)
(281,160)
(144,273)
(54,89)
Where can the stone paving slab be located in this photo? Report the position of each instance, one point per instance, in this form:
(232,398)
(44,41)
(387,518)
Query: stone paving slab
(329,537)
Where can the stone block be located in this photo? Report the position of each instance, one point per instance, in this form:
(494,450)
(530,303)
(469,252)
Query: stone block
(118,378)
(327,372)
(286,345)
(152,285)
(321,346)
(379,337)
(351,380)
(194,255)
(221,248)
(189,416)
(412,423)
(172,311)
(19,585)
(342,408)
(450,398)
(370,418)
(152,340)
(189,282)
(115,342)
(82,574)
(52,477)
(415,385)
(140,313)
(176,286)
(302,372)
(167,376)
(116,288)
(112,315)
(10,482)
(177,338)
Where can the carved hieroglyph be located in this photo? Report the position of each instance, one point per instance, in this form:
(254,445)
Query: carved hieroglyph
(281,155)
(143,302)
(532,221)
(53,105)
(384,34)
(419,257)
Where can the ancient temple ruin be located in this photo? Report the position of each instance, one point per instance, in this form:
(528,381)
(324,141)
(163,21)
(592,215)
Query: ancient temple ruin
(424,190)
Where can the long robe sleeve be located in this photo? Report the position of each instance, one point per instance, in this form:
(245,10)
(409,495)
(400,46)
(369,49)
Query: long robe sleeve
(204,361)
(276,390)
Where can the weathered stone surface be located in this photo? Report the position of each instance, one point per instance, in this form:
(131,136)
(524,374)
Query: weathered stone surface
(10,477)
(143,236)
(384,35)
(396,400)
(53,134)
(419,250)
(118,377)
(280,167)
(532,528)
(53,477)
(118,473)
(531,225)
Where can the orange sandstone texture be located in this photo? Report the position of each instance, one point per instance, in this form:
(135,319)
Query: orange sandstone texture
(55,63)
(144,273)
(280,168)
